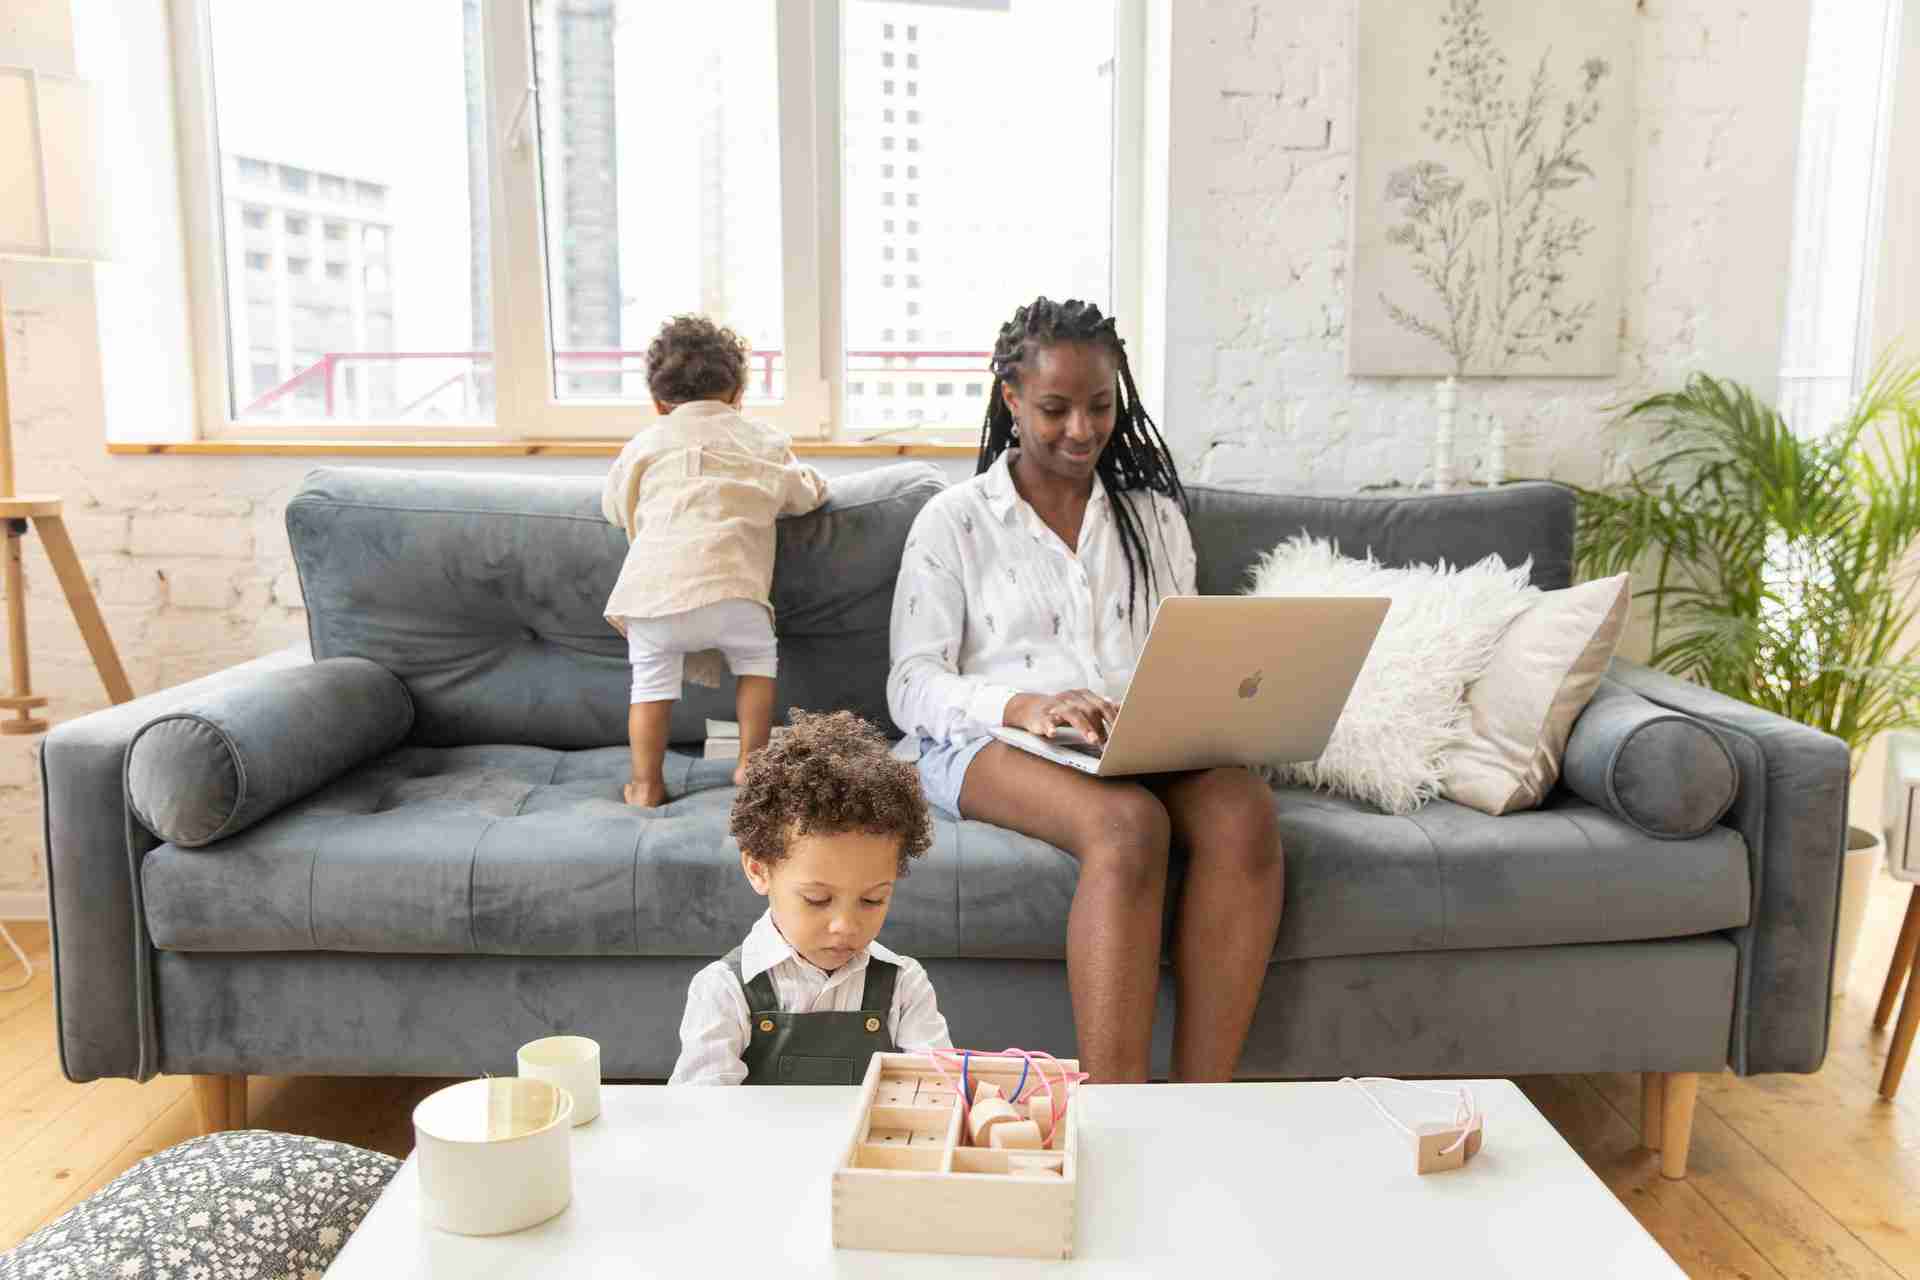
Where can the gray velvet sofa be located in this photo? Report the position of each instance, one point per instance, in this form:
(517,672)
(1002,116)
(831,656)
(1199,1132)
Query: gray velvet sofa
(421,859)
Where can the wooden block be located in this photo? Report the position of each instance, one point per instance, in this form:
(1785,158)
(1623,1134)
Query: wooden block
(987,1116)
(1022,1135)
(1473,1140)
(890,1137)
(1430,1148)
(894,1095)
(1040,1111)
(984,1089)
(1033,1167)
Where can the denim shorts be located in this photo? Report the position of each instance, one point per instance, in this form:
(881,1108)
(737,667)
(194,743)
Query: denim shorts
(943,767)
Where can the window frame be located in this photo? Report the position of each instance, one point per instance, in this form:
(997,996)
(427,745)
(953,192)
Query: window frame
(809,66)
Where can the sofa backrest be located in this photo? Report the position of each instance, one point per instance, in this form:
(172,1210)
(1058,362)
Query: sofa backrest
(1232,529)
(483,593)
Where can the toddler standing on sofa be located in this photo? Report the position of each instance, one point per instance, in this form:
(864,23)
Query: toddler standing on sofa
(697,493)
(827,820)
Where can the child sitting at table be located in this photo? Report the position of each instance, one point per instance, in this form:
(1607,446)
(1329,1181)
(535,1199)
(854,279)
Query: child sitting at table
(697,493)
(827,820)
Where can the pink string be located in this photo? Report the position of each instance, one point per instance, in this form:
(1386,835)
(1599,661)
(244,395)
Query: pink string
(947,1060)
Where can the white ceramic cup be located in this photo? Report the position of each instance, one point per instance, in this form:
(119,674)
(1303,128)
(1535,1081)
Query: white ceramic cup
(572,1063)
(494,1155)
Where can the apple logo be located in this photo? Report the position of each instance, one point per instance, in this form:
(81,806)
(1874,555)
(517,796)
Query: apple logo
(1251,685)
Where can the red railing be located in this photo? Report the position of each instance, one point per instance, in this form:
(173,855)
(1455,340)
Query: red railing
(324,371)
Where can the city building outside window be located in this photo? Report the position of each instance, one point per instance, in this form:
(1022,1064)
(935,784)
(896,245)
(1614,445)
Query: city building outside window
(406,203)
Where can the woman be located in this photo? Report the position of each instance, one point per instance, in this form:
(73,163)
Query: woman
(1024,599)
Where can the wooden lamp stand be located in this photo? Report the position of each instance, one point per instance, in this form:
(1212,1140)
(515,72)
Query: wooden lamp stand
(16,510)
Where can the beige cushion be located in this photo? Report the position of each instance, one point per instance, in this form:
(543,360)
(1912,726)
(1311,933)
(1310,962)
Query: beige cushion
(1523,706)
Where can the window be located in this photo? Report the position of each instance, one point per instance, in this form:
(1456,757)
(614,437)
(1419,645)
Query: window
(916,388)
(974,389)
(856,388)
(510,255)
(886,388)
(886,281)
(943,389)
(266,375)
(1839,218)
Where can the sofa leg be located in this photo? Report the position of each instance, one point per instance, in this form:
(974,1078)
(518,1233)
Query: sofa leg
(1653,1101)
(1680,1089)
(221,1102)
(1903,955)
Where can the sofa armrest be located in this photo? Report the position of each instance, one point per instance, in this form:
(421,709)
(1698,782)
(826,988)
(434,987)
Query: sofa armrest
(1791,810)
(102,961)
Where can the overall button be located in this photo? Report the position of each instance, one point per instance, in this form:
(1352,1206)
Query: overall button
(766,1024)
(873,1024)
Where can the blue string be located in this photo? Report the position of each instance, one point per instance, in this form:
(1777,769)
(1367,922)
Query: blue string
(966,1090)
(1024,1064)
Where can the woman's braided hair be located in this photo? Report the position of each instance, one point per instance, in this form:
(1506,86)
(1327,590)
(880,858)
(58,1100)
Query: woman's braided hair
(1135,457)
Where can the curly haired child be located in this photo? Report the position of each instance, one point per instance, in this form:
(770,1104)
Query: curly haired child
(697,493)
(827,821)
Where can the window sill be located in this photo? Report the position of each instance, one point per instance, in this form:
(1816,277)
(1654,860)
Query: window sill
(264,448)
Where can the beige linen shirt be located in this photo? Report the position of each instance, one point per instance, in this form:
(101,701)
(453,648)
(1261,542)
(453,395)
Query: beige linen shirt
(697,493)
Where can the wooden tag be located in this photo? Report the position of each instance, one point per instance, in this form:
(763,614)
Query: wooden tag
(1431,1142)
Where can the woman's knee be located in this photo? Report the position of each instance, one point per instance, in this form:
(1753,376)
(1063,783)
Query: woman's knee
(1127,834)
(1232,825)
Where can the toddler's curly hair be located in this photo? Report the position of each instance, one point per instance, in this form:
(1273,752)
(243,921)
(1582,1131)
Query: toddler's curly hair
(692,358)
(829,773)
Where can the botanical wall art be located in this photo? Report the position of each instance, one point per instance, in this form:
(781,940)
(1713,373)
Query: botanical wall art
(1490,186)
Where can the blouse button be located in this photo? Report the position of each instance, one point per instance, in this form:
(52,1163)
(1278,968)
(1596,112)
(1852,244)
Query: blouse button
(873,1024)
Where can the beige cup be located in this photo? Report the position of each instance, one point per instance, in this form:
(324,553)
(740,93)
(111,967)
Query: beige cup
(570,1062)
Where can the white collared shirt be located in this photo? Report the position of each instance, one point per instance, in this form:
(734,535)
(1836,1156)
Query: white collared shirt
(991,603)
(715,1028)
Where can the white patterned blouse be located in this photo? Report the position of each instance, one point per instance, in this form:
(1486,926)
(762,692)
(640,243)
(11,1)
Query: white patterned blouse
(991,603)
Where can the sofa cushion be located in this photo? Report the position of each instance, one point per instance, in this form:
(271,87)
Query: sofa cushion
(222,762)
(524,850)
(486,596)
(1663,771)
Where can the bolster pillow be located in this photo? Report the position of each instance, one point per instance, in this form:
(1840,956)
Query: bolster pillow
(219,765)
(1664,772)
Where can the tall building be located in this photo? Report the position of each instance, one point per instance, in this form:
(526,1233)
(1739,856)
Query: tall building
(310,274)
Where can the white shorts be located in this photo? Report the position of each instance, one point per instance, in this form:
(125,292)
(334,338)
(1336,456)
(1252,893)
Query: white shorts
(658,647)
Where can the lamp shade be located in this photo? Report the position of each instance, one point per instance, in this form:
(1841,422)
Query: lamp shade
(52,188)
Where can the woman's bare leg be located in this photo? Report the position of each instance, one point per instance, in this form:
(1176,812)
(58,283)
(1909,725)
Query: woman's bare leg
(753,708)
(1229,913)
(1118,832)
(647,734)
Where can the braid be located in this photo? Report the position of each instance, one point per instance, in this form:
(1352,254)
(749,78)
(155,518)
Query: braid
(1135,457)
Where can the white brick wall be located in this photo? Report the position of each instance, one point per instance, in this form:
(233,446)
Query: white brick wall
(190,561)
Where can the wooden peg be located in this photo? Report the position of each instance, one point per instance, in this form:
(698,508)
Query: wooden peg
(1022,1135)
(1040,1111)
(988,1115)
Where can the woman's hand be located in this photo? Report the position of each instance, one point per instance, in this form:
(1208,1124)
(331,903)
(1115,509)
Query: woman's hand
(1041,713)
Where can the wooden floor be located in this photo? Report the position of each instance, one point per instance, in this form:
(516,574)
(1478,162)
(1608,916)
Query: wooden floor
(1793,1176)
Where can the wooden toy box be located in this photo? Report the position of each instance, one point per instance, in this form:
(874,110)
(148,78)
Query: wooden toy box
(905,1183)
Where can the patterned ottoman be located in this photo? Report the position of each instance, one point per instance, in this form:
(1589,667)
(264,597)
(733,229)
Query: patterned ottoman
(247,1205)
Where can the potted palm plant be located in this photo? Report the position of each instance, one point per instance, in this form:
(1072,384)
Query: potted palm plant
(1780,563)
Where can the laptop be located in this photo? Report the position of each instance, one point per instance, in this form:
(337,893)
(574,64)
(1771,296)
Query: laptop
(1228,680)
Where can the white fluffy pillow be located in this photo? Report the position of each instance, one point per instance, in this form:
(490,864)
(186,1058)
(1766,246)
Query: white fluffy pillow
(1408,708)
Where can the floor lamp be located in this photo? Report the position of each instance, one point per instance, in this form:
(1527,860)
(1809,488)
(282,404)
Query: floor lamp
(52,208)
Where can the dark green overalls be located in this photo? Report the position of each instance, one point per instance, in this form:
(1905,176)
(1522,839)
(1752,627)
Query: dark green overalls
(815,1048)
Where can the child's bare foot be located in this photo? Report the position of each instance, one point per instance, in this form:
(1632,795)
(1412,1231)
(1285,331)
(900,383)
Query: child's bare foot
(740,775)
(646,795)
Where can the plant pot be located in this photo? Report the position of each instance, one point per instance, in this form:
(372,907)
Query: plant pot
(1865,849)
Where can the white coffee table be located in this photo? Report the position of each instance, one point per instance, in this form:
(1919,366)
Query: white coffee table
(1176,1180)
